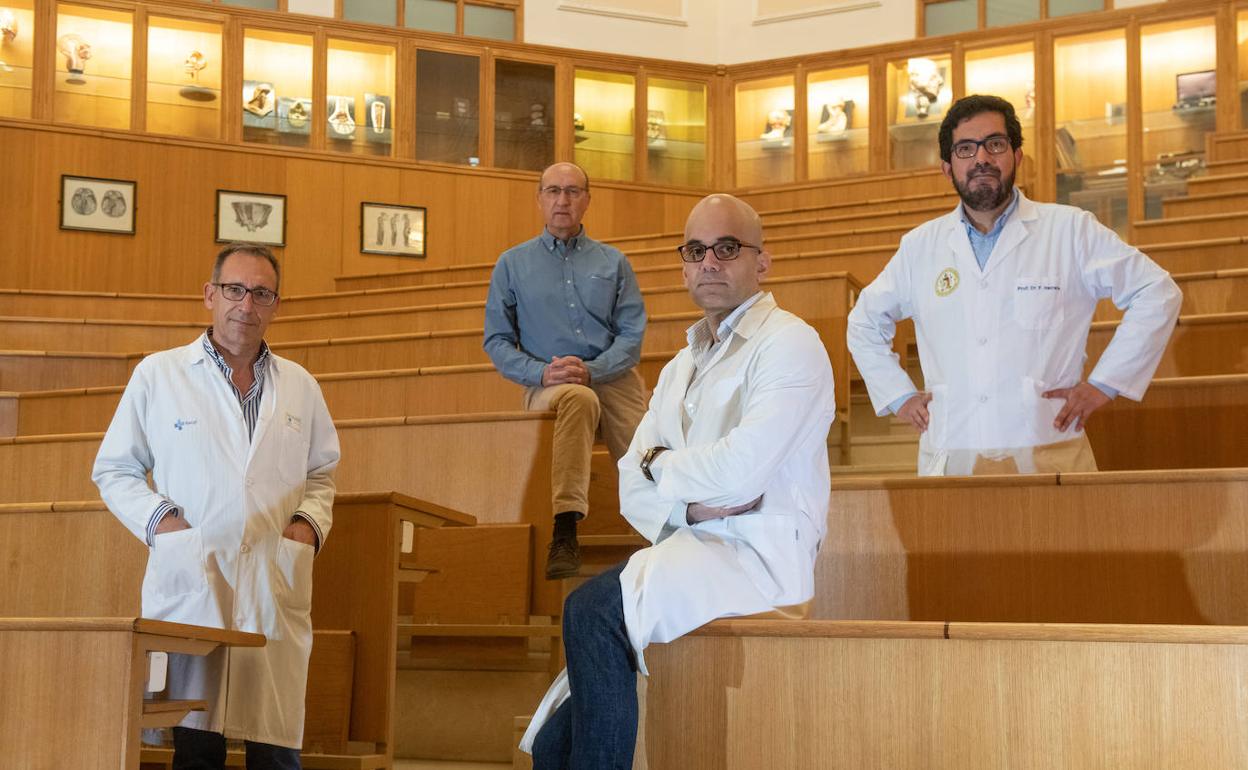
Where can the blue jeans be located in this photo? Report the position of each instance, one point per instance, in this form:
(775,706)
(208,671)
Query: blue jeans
(595,728)
(204,750)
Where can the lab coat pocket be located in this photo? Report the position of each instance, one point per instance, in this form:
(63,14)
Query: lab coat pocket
(176,572)
(1037,302)
(292,464)
(294,566)
(1039,413)
(938,416)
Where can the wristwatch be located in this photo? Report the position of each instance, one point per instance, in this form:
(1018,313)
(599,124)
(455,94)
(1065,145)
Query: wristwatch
(648,458)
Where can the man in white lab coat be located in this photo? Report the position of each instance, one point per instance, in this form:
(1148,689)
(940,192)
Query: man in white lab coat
(1002,292)
(727,476)
(241,451)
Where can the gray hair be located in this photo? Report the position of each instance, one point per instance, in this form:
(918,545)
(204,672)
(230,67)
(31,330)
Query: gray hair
(255,250)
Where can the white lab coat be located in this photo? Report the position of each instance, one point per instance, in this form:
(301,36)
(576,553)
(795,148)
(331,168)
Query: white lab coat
(180,420)
(992,341)
(760,428)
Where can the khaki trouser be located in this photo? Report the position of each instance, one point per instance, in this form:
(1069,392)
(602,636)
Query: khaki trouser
(613,408)
(1073,456)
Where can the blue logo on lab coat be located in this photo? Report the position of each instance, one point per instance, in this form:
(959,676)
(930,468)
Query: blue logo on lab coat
(180,424)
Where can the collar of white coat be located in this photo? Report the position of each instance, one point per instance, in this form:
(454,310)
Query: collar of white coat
(743,321)
(195,353)
(1014,233)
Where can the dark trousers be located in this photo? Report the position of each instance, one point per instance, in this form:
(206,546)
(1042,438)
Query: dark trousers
(204,750)
(596,728)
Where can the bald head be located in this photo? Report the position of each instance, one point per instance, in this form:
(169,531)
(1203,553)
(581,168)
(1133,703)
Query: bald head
(718,284)
(562,171)
(728,211)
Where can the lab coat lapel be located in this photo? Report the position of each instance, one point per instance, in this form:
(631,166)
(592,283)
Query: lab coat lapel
(675,396)
(268,405)
(1012,235)
(960,245)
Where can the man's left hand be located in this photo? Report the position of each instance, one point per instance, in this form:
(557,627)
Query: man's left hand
(1081,401)
(300,531)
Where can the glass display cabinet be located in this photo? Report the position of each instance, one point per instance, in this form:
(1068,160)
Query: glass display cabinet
(764,131)
(184,77)
(838,114)
(1007,71)
(676,132)
(920,89)
(277,88)
(1091,124)
(359,104)
(448,96)
(1241,65)
(524,115)
(93,66)
(17,57)
(603,119)
(1178,69)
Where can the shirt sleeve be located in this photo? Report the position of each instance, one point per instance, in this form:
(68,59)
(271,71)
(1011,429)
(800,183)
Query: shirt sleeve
(871,327)
(502,332)
(896,406)
(1108,391)
(629,322)
(1139,286)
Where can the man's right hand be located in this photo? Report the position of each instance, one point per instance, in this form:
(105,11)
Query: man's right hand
(565,370)
(697,512)
(915,412)
(171,523)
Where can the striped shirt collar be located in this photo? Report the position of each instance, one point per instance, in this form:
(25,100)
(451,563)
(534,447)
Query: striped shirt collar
(699,335)
(250,402)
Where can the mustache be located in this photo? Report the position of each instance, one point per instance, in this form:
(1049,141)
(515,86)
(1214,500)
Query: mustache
(984,170)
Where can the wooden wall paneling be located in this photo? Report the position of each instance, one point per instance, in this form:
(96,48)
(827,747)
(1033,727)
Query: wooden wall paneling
(957,63)
(641,154)
(232,82)
(801,139)
(1045,173)
(138,71)
(485,97)
(44,50)
(565,106)
(879,112)
(1228,113)
(320,88)
(371,184)
(1135,129)
(405,99)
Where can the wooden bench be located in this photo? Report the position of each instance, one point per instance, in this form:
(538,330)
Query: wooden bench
(1211,343)
(74,687)
(1226,179)
(1227,145)
(1213,291)
(356,578)
(1228,225)
(1213,202)
(22,370)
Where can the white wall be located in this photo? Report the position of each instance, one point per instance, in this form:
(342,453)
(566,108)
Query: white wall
(717,31)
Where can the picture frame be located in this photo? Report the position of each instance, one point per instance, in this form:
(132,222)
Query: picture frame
(251,217)
(98,205)
(393,230)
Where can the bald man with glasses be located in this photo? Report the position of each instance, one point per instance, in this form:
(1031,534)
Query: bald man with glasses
(565,318)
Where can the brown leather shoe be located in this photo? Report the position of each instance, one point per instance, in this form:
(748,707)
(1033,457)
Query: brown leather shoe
(563,559)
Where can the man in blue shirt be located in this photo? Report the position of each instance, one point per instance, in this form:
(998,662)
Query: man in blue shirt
(564,318)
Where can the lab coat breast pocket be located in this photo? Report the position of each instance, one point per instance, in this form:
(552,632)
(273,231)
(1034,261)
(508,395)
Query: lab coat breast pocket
(294,568)
(292,463)
(1037,302)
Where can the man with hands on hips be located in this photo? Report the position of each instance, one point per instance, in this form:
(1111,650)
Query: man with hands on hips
(1002,291)
(727,477)
(241,451)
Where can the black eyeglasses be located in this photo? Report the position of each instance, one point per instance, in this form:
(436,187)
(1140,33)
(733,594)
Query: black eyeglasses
(554,191)
(235,292)
(725,251)
(969,148)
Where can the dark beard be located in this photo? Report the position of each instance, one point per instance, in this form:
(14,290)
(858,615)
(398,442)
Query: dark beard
(985,198)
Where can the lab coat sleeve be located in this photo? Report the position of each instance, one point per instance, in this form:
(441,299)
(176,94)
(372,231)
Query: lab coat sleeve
(872,324)
(640,501)
(791,396)
(1115,270)
(125,457)
(318,492)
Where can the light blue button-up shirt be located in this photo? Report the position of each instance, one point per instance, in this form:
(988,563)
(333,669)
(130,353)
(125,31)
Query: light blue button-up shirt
(982,245)
(563,298)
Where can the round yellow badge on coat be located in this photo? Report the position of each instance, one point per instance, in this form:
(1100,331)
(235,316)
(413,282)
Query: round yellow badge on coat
(946,282)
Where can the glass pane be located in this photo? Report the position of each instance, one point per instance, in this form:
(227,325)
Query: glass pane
(1003,12)
(264,5)
(524,108)
(837,116)
(431,15)
(496,23)
(764,132)
(1009,72)
(1067,7)
(360,103)
(1177,68)
(93,50)
(370,11)
(184,77)
(277,88)
(447,111)
(676,131)
(919,92)
(950,17)
(603,121)
(17,20)
(1090,73)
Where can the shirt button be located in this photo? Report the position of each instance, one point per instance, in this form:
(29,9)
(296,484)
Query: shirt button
(568,281)
(983,340)
(251,482)
(983,399)
(571,304)
(244,548)
(578,331)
